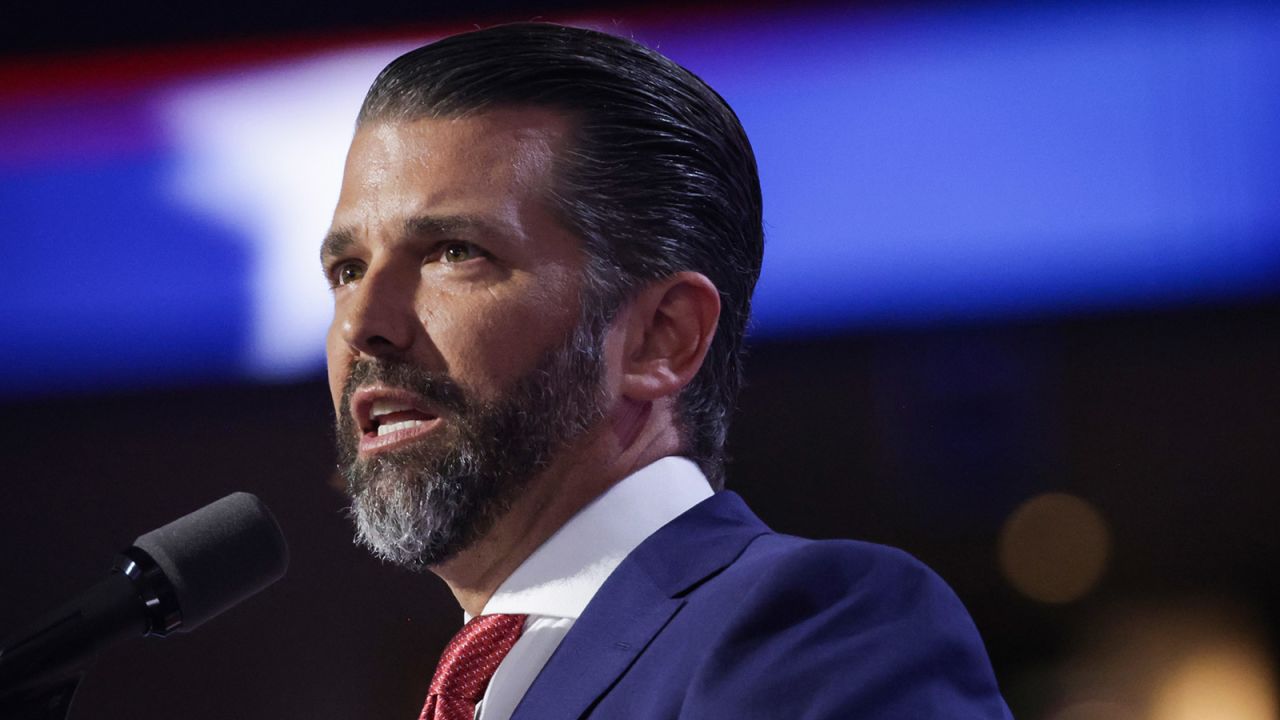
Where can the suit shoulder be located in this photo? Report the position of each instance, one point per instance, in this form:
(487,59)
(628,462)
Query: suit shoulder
(841,569)
(857,552)
(848,628)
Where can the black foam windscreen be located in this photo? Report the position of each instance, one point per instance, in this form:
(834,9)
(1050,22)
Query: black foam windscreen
(218,555)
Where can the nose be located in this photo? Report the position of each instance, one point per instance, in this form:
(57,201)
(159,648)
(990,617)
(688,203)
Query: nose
(380,319)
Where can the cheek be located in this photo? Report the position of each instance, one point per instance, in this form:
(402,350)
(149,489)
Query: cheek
(488,340)
(338,357)
(482,344)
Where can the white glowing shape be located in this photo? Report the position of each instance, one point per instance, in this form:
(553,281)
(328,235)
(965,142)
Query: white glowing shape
(1232,681)
(262,151)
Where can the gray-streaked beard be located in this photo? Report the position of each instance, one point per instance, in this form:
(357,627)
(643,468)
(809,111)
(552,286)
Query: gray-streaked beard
(421,505)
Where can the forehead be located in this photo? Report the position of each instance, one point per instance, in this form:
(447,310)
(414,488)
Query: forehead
(477,164)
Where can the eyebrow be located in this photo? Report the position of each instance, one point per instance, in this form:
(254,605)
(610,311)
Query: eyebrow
(336,243)
(446,225)
(339,241)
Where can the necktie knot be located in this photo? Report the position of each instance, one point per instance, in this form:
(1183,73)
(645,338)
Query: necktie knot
(468,663)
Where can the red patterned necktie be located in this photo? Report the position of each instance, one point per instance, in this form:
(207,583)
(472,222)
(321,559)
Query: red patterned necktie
(468,664)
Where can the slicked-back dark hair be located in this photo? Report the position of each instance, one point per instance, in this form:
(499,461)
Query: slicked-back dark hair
(658,176)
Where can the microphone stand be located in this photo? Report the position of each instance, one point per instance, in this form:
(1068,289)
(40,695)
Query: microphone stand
(41,665)
(50,701)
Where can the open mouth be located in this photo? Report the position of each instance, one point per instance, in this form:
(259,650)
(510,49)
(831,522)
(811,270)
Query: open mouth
(388,418)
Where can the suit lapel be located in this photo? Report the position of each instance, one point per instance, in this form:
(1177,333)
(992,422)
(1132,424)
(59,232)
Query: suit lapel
(635,603)
(598,649)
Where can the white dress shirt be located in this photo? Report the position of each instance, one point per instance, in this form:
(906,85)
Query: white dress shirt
(555,583)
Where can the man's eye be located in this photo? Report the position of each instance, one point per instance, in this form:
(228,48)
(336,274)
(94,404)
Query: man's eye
(459,252)
(347,273)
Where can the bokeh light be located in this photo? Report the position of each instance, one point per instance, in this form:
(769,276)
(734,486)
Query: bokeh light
(1231,680)
(1192,659)
(1054,548)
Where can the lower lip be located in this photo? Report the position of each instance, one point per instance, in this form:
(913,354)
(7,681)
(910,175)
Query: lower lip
(373,443)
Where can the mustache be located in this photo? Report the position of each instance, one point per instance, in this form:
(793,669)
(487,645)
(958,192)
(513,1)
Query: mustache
(440,389)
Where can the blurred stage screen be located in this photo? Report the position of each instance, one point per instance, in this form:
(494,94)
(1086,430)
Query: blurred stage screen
(920,166)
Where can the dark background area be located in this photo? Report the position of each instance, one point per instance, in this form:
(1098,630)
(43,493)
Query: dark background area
(38,28)
(926,439)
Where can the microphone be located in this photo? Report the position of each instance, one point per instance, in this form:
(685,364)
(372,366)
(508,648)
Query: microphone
(174,578)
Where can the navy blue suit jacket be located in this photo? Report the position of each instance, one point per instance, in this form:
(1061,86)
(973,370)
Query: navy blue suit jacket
(717,616)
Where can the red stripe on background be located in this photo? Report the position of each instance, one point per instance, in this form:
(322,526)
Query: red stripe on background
(123,70)
(120,71)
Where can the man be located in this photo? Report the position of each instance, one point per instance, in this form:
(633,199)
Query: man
(542,262)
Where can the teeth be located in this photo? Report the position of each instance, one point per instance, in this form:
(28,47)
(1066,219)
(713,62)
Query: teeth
(395,426)
(385,407)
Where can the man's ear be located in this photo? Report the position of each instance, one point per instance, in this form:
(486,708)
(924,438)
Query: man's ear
(669,327)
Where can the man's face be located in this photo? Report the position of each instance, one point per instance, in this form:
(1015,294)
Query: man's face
(457,364)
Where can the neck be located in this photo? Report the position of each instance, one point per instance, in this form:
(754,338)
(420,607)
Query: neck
(635,436)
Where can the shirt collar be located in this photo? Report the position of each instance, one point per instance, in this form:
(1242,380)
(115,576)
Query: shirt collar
(564,573)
